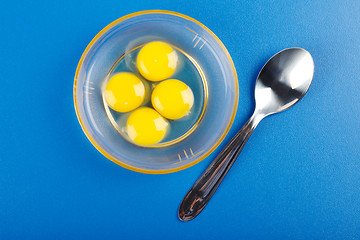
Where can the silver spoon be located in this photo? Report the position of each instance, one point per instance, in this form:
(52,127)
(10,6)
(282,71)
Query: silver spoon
(281,83)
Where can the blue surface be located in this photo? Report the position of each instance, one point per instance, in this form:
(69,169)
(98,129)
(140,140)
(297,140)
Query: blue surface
(298,177)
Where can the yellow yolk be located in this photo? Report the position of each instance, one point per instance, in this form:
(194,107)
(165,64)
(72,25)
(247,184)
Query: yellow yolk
(172,98)
(146,127)
(124,92)
(157,61)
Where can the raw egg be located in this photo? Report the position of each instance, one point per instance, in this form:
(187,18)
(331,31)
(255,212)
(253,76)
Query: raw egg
(146,127)
(124,92)
(157,61)
(172,98)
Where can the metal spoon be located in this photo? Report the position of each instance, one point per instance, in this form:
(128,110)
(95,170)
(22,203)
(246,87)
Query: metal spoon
(281,83)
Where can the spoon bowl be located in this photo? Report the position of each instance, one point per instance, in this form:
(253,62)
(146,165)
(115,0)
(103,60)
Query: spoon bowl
(281,83)
(283,80)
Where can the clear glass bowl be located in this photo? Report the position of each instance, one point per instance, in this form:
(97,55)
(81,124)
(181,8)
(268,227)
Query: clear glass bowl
(193,38)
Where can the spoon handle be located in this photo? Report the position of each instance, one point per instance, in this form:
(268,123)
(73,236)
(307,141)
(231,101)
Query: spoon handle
(204,188)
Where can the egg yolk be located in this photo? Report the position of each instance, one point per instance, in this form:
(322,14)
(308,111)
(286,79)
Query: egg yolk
(124,92)
(172,98)
(146,127)
(157,61)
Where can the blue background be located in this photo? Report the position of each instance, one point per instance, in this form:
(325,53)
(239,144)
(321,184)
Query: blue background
(298,177)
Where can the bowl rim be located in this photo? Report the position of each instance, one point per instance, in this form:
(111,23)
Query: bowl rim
(117,161)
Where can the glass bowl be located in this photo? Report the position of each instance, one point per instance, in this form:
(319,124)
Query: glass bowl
(197,41)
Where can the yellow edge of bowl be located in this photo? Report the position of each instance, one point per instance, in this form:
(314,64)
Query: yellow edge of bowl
(139,169)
